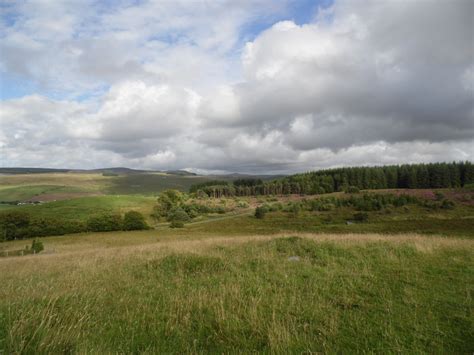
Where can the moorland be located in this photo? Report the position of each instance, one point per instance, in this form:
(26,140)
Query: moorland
(346,260)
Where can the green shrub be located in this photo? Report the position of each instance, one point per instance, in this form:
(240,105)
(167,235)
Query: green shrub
(278,206)
(37,246)
(176,224)
(178,214)
(167,200)
(271,207)
(201,195)
(220,210)
(41,227)
(375,202)
(295,209)
(242,204)
(321,205)
(260,212)
(447,205)
(134,220)
(191,210)
(12,223)
(104,222)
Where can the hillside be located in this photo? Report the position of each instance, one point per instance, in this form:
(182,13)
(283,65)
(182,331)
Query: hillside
(346,271)
(414,176)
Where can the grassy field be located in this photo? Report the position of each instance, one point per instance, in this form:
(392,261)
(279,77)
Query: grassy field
(81,208)
(152,184)
(177,291)
(400,281)
(22,187)
(19,187)
(458,221)
(91,182)
(75,196)
(336,222)
(41,192)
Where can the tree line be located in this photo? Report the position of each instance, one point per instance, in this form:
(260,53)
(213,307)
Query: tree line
(411,176)
(20,224)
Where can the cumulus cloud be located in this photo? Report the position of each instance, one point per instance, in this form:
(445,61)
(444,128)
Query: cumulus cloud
(365,76)
(171,85)
(133,111)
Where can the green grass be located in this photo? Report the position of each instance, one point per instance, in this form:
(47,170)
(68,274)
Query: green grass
(152,184)
(89,182)
(174,294)
(81,208)
(25,186)
(458,222)
(23,193)
(447,224)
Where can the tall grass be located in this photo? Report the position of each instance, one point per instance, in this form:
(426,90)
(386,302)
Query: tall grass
(312,294)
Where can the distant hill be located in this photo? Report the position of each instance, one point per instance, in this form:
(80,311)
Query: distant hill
(128,171)
(119,170)
(32,170)
(180,172)
(113,170)
(234,176)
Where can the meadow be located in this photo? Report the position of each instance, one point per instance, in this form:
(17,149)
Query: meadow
(306,276)
(175,291)
(22,187)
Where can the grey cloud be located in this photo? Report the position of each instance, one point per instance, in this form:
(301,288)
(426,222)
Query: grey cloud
(390,71)
(378,82)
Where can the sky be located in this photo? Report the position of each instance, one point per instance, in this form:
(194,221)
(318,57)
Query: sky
(216,86)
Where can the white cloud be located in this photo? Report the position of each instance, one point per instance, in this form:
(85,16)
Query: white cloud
(171,85)
(133,111)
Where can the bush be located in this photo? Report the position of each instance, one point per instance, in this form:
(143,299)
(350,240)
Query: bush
(321,204)
(37,246)
(242,204)
(167,200)
(40,227)
(176,224)
(278,206)
(191,210)
(447,205)
(12,223)
(134,220)
(271,208)
(177,214)
(202,208)
(104,223)
(294,208)
(260,212)
(220,210)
